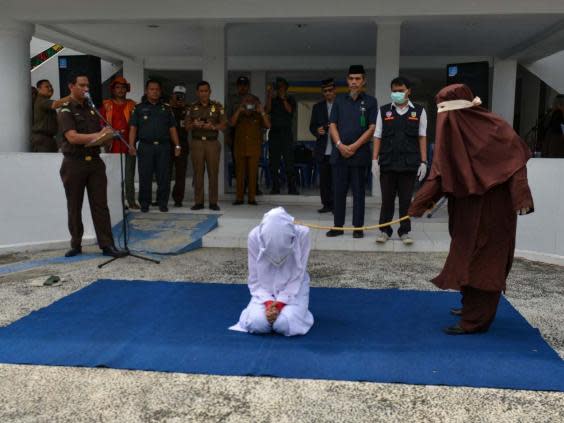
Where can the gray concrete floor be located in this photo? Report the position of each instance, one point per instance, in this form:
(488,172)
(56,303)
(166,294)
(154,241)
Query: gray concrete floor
(64,394)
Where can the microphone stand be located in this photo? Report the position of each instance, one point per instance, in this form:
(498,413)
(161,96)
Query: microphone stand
(128,252)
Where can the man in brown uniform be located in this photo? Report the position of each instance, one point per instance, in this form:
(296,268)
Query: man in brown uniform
(248,120)
(205,119)
(83,168)
(480,165)
(45,126)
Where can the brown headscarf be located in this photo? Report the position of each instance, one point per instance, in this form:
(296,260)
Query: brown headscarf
(475,149)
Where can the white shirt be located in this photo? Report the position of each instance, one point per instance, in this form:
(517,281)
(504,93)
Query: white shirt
(329,146)
(402,111)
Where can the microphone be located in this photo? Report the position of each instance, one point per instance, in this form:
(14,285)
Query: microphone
(89,100)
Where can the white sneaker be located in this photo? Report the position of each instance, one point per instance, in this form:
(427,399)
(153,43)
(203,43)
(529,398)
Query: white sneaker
(406,239)
(382,238)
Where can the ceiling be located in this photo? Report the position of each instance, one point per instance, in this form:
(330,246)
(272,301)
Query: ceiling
(420,36)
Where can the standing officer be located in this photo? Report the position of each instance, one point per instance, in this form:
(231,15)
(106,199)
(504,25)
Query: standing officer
(280,137)
(249,120)
(319,127)
(400,144)
(180,162)
(82,168)
(152,123)
(45,125)
(205,119)
(353,118)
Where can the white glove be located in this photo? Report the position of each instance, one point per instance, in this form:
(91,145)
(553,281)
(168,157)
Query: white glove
(421,172)
(375,168)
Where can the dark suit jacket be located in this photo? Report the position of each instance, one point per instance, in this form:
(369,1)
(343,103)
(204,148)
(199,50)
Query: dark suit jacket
(319,117)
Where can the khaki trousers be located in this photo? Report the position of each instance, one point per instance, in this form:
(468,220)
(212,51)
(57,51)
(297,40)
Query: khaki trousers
(205,155)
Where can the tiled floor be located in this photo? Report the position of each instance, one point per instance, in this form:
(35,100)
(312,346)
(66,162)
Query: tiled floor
(430,235)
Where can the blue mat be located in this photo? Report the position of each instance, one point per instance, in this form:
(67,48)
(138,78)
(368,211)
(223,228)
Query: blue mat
(165,233)
(359,335)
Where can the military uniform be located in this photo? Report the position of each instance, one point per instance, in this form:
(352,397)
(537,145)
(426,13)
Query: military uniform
(247,149)
(180,162)
(44,126)
(82,168)
(206,149)
(153,123)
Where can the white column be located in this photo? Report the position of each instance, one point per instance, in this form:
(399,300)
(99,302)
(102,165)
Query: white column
(214,71)
(134,72)
(15,107)
(503,91)
(258,84)
(387,68)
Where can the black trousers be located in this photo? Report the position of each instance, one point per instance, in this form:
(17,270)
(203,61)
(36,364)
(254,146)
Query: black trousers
(344,177)
(281,144)
(180,165)
(154,159)
(392,185)
(79,175)
(326,182)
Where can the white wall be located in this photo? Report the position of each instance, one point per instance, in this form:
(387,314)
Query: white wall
(34,209)
(542,232)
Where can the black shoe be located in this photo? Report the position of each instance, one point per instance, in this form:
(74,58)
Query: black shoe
(259,192)
(334,232)
(324,209)
(455,330)
(456,311)
(112,251)
(214,207)
(178,204)
(154,203)
(73,252)
(237,202)
(197,207)
(252,203)
(275,191)
(293,192)
(144,209)
(164,209)
(358,234)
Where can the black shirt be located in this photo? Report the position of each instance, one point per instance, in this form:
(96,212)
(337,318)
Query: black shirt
(279,116)
(153,122)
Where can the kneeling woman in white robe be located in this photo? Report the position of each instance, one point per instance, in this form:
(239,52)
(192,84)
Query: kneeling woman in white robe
(278,280)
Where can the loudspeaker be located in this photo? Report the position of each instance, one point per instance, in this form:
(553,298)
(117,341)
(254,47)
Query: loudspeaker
(476,75)
(90,66)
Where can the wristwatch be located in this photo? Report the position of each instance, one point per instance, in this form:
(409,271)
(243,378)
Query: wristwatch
(338,143)
(177,146)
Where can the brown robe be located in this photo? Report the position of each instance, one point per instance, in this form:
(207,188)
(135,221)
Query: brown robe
(480,166)
(482,229)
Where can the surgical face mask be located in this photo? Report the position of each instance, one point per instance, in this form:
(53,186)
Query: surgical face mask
(398,97)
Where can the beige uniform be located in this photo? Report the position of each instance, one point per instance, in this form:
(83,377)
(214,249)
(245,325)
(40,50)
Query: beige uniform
(205,148)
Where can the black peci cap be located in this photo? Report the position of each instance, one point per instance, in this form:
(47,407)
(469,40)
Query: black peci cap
(356,69)
(328,83)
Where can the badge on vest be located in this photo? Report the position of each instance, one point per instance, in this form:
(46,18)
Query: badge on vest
(389,116)
(413,116)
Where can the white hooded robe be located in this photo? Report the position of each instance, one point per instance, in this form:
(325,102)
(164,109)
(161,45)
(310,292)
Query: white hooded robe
(278,252)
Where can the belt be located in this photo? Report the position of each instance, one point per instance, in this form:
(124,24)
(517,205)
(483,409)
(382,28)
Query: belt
(204,138)
(154,142)
(80,156)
